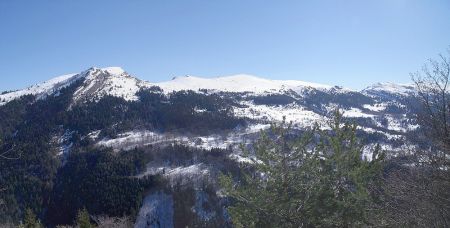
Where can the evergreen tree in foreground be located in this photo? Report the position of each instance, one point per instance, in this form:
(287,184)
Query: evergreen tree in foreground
(316,180)
(30,220)
(83,220)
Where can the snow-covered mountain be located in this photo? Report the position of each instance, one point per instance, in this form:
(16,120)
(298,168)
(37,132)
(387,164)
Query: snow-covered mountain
(107,108)
(380,109)
(115,81)
(98,82)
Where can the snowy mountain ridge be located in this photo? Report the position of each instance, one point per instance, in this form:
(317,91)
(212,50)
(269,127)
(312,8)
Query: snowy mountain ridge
(42,89)
(117,82)
(239,83)
(390,88)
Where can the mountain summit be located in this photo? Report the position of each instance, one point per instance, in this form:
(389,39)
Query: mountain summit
(97,82)
(114,81)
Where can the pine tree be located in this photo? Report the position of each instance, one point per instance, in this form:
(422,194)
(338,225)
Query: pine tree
(83,219)
(318,179)
(30,220)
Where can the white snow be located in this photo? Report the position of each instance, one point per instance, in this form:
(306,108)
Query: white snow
(189,170)
(355,113)
(405,148)
(156,211)
(41,89)
(183,175)
(236,83)
(292,112)
(376,107)
(387,135)
(129,139)
(114,70)
(94,135)
(257,128)
(244,159)
(393,88)
(63,142)
(399,124)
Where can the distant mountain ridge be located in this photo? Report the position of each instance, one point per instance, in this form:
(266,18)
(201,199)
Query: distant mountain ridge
(117,82)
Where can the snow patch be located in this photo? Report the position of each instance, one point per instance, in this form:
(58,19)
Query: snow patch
(156,211)
(356,113)
(132,138)
(179,175)
(292,112)
(114,70)
(376,107)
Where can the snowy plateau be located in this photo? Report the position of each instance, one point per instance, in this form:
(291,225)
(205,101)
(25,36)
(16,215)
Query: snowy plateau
(383,112)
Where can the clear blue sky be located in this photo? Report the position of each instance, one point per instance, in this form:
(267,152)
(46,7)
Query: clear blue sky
(353,44)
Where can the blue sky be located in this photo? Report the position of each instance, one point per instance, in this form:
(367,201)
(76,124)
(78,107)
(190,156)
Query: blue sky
(353,44)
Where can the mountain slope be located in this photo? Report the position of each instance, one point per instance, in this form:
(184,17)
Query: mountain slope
(42,89)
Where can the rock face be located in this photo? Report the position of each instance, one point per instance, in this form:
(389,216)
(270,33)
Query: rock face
(113,81)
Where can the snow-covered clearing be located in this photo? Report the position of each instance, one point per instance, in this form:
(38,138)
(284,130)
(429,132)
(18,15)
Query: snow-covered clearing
(292,112)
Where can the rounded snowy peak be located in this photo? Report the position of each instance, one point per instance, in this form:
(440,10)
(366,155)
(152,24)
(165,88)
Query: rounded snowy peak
(236,83)
(391,88)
